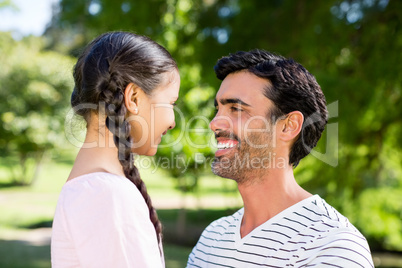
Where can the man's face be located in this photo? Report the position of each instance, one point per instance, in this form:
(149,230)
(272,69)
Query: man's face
(245,136)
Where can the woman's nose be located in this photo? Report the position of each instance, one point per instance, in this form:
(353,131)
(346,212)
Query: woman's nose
(172,125)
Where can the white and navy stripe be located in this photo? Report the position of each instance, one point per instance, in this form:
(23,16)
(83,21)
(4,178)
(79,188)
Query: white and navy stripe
(311,233)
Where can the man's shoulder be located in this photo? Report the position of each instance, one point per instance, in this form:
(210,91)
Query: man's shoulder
(322,222)
(319,212)
(331,238)
(325,235)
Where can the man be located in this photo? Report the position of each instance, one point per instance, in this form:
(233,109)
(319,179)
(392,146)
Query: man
(270,114)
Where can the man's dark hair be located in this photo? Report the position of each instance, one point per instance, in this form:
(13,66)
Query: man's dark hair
(293,89)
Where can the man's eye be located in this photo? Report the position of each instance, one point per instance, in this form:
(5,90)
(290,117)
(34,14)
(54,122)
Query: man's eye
(235,109)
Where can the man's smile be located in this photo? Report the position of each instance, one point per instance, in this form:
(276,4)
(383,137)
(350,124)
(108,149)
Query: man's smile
(225,145)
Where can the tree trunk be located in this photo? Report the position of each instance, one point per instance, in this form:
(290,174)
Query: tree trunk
(38,166)
(24,174)
(182,220)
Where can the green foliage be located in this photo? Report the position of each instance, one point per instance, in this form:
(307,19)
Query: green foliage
(7,4)
(352,47)
(380,216)
(191,139)
(34,89)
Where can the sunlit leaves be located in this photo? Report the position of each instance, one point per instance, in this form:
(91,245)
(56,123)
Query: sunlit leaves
(35,87)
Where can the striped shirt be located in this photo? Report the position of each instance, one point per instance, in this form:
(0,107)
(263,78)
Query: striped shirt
(310,233)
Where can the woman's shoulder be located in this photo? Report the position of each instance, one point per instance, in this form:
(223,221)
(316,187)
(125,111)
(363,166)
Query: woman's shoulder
(95,178)
(102,186)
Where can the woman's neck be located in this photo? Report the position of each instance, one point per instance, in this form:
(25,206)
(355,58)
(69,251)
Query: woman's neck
(97,154)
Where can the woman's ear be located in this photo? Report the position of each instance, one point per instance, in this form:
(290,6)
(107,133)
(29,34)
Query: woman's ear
(131,98)
(291,126)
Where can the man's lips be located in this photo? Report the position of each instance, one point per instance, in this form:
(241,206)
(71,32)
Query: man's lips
(225,145)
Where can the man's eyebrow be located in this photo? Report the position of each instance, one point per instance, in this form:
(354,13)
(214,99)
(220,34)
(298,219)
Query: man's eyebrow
(231,100)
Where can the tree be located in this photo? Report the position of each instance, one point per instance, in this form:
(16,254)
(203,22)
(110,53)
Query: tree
(352,47)
(35,89)
(164,21)
(7,4)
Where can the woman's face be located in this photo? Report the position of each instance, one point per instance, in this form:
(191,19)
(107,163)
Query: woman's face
(155,115)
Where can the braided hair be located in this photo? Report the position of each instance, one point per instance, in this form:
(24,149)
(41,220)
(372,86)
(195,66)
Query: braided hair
(105,68)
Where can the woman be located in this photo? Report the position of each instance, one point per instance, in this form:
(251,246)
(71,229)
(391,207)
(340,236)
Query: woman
(125,89)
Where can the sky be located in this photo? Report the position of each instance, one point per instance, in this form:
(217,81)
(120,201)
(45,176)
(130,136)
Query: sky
(31,18)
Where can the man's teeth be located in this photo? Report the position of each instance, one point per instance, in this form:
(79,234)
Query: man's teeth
(225,145)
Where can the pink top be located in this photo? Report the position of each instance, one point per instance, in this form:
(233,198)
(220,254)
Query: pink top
(102,220)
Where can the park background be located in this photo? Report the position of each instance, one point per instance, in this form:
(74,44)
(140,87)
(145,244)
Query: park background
(353,47)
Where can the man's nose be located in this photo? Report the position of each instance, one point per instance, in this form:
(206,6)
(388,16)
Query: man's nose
(220,123)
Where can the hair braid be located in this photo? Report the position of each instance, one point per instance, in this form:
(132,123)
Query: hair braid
(121,129)
(104,69)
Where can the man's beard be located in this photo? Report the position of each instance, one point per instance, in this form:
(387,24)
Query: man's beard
(247,161)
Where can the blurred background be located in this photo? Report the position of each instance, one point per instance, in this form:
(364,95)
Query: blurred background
(353,47)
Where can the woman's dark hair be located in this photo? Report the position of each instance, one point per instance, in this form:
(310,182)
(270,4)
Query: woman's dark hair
(293,89)
(105,68)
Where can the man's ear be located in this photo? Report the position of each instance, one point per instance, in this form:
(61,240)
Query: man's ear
(131,97)
(291,126)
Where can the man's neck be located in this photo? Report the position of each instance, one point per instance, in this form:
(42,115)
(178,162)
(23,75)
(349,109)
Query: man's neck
(268,196)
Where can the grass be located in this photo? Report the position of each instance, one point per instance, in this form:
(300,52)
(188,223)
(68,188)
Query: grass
(176,256)
(20,254)
(31,204)
(25,209)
